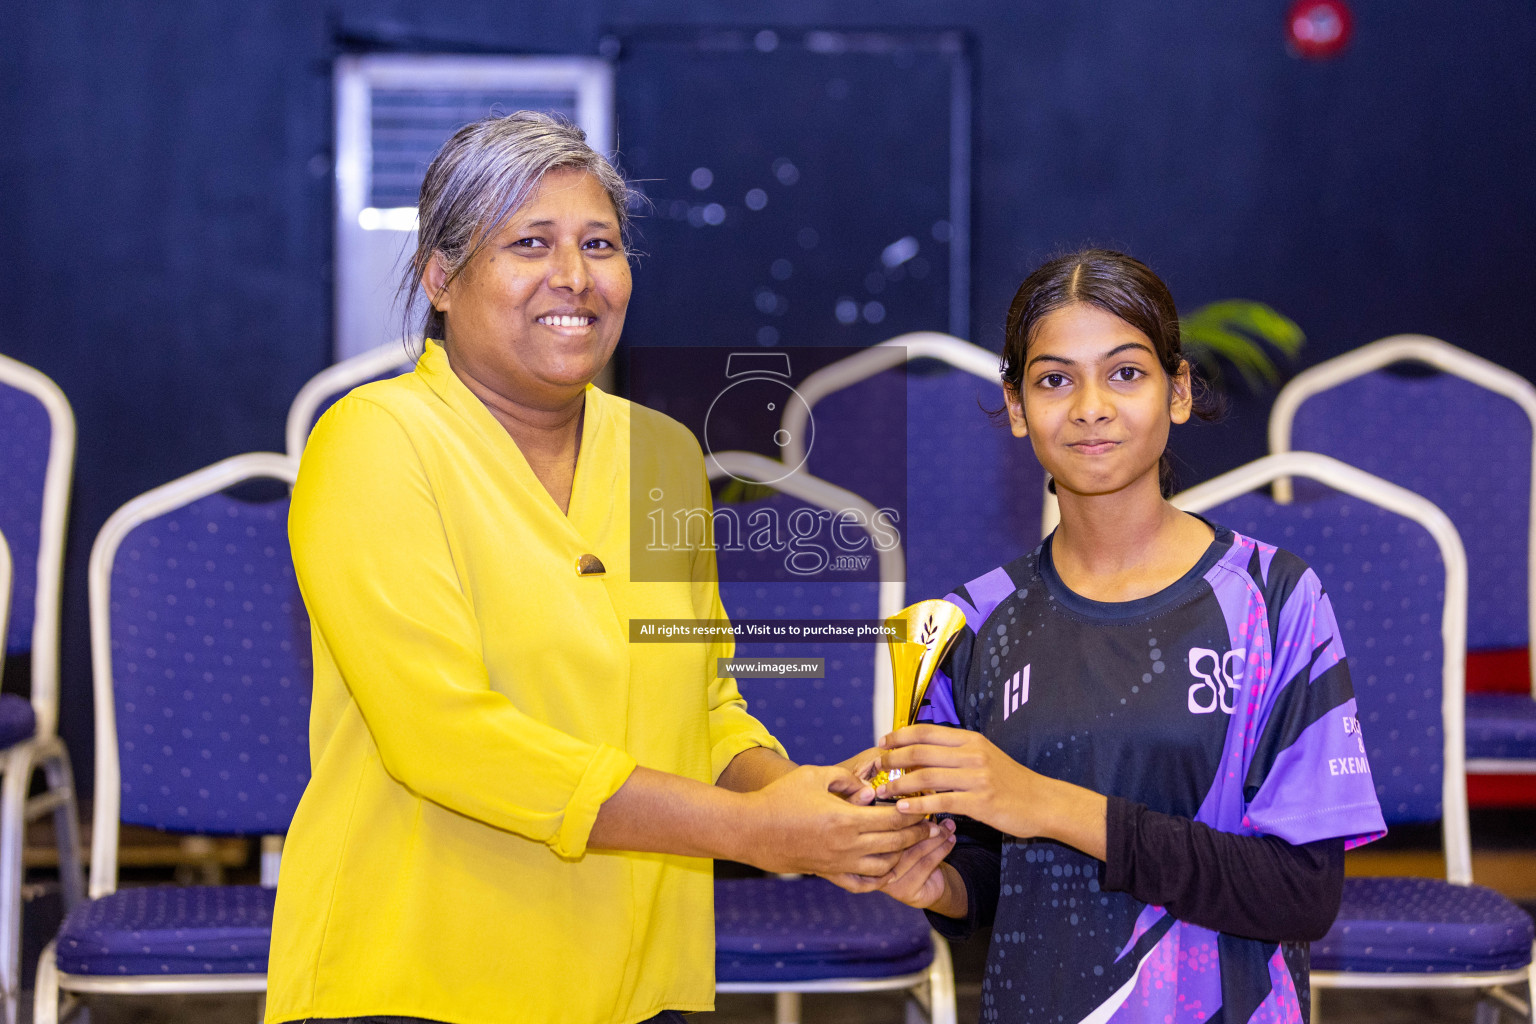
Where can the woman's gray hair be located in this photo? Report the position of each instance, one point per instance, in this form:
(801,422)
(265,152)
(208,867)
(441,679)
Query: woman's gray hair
(483,174)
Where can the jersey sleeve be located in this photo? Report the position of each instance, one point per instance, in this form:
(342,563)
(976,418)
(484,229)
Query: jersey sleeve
(1308,776)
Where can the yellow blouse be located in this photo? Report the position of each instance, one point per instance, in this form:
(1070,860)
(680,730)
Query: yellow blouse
(475,701)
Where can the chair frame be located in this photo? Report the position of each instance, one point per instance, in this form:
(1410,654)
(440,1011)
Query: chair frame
(45,750)
(1454,825)
(934,987)
(338,379)
(889,354)
(50,541)
(1447,358)
(52,982)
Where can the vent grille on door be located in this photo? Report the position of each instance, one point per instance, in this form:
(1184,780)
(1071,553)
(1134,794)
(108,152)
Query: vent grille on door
(407,126)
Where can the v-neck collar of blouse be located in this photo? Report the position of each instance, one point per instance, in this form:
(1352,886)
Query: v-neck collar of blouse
(588,493)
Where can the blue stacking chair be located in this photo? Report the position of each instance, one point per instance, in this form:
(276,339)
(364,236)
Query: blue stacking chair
(1394,569)
(320,392)
(201,653)
(974,494)
(37,452)
(794,935)
(1459,432)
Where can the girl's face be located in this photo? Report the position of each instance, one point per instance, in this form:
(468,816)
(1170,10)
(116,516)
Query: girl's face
(1095,402)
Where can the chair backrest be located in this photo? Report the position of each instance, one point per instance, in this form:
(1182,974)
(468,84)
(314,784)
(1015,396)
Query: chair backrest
(974,495)
(37,457)
(819,721)
(1395,572)
(1459,431)
(201,656)
(322,390)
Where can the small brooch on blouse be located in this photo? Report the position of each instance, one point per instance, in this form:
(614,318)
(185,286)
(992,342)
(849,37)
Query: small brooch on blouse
(589,565)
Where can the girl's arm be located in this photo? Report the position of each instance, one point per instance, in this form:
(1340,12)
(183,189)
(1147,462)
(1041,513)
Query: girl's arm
(1255,886)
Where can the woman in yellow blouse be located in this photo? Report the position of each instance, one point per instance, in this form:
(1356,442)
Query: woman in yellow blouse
(512,809)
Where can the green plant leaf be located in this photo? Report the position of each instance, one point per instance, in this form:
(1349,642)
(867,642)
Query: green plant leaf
(1239,333)
(738,492)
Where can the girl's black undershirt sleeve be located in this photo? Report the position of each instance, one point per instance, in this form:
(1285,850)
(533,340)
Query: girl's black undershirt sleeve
(1256,887)
(978,859)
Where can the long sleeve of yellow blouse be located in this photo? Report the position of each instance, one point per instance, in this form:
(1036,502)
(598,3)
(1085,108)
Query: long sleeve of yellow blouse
(393,616)
(475,702)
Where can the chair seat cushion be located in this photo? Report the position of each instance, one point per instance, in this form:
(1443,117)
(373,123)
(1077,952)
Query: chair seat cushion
(1423,926)
(17,720)
(1501,725)
(223,929)
(803,929)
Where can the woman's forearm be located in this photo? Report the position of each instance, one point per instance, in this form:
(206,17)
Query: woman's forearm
(656,812)
(754,768)
(800,822)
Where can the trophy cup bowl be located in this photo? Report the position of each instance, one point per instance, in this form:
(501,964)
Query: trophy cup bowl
(931,629)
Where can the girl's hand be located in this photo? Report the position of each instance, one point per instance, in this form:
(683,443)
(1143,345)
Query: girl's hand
(963,772)
(918,877)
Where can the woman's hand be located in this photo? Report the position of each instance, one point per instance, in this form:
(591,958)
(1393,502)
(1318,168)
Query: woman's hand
(863,767)
(963,772)
(804,823)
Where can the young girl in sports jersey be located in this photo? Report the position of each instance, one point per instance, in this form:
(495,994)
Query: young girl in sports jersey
(1137,721)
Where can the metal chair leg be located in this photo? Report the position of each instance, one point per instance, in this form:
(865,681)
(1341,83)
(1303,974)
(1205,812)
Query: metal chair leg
(66,826)
(941,983)
(13,827)
(45,996)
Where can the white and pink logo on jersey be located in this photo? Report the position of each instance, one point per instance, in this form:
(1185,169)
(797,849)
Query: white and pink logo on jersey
(1218,675)
(1016,692)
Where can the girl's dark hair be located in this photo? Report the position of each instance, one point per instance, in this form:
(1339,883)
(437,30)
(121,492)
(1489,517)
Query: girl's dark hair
(1120,285)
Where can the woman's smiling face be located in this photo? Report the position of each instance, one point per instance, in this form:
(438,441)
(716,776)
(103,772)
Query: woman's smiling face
(1095,402)
(539,308)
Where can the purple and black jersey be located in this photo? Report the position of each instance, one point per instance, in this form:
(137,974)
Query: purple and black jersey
(1223,699)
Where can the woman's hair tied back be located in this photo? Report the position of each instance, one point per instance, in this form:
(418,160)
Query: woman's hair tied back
(482,175)
(1120,285)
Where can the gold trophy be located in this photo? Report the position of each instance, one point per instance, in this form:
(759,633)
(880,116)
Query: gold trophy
(931,629)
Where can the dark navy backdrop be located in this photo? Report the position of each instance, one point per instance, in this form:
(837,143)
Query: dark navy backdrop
(165,194)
